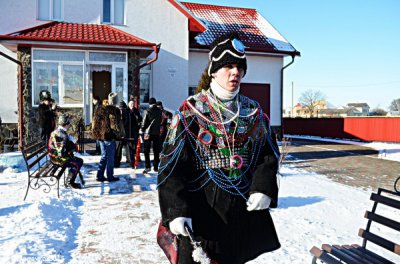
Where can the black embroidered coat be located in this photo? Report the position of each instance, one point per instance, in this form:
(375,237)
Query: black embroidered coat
(228,232)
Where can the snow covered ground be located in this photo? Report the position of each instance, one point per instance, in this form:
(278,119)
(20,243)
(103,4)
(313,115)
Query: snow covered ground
(116,222)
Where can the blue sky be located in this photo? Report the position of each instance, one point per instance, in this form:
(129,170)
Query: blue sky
(350,49)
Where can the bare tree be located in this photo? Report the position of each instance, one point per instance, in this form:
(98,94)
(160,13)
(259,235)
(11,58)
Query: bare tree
(310,100)
(395,105)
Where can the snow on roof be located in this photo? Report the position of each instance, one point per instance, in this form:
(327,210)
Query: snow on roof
(254,30)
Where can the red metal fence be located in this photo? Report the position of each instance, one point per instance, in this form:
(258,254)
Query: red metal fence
(363,128)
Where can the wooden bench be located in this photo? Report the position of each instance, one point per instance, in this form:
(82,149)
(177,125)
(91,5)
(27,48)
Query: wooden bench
(42,173)
(360,254)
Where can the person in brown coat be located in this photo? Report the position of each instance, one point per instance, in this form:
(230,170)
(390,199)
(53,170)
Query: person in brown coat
(107,127)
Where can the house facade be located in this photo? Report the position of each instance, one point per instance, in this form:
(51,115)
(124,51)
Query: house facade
(77,49)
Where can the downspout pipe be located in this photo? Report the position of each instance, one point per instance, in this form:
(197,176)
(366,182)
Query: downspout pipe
(136,72)
(20,101)
(281,106)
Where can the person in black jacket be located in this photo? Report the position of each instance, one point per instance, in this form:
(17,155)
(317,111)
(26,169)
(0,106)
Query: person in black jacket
(47,115)
(133,123)
(150,130)
(218,168)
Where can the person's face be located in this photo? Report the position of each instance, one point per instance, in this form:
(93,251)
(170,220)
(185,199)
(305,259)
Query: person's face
(95,101)
(130,105)
(229,77)
(46,102)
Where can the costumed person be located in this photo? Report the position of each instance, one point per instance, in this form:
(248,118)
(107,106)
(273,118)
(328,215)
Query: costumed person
(47,115)
(218,168)
(106,128)
(133,124)
(61,150)
(150,130)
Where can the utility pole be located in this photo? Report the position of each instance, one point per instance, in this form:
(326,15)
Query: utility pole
(291,112)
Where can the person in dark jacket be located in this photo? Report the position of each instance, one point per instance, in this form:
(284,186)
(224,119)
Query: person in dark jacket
(150,130)
(133,123)
(123,143)
(164,123)
(218,168)
(61,150)
(47,115)
(107,127)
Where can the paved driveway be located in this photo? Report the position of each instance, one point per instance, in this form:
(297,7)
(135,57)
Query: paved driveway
(348,164)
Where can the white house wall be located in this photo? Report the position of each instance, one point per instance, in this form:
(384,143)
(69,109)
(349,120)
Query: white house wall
(260,69)
(158,21)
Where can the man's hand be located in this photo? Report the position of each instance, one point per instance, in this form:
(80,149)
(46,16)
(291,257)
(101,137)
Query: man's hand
(258,201)
(177,226)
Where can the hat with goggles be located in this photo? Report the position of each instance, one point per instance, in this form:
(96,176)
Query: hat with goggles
(227,49)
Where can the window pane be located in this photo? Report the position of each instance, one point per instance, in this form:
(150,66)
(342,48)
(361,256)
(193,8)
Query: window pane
(107,11)
(119,83)
(57,9)
(144,87)
(44,9)
(73,84)
(119,12)
(46,78)
(112,57)
(56,55)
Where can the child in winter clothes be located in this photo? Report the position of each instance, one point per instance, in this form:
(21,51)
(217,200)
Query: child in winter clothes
(61,150)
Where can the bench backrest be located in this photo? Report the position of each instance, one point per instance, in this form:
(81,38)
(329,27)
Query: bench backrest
(391,200)
(34,153)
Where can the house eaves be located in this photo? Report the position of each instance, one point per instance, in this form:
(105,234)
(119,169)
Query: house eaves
(195,25)
(72,35)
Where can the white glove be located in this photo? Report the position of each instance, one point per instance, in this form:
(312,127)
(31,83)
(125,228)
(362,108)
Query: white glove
(258,201)
(177,226)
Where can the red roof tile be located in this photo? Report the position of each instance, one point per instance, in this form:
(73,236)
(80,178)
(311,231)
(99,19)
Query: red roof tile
(255,31)
(78,33)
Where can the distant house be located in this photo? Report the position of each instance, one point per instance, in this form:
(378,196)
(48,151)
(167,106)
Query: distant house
(362,108)
(303,111)
(77,49)
(351,111)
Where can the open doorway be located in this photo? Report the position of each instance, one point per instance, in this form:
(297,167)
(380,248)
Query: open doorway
(101,81)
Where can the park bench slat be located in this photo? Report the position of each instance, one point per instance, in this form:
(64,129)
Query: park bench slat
(30,148)
(364,255)
(35,152)
(375,256)
(383,242)
(382,220)
(324,256)
(36,161)
(357,257)
(385,200)
(342,255)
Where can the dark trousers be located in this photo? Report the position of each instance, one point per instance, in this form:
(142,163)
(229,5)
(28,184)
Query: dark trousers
(45,135)
(74,164)
(118,153)
(155,140)
(107,159)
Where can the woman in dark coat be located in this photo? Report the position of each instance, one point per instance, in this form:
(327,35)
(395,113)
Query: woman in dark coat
(47,115)
(218,167)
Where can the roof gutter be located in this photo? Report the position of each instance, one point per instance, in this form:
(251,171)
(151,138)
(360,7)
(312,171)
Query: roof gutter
(281,105)
(20,100)
(136,71)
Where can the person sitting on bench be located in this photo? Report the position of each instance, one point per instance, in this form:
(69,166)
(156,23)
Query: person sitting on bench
(61,150)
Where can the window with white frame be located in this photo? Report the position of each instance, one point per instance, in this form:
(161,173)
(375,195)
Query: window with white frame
(145,82)
(61,73)
(114,12)
(50,10)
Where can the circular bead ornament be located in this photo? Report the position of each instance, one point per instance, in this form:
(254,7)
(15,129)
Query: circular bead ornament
(205,137)
(236,161)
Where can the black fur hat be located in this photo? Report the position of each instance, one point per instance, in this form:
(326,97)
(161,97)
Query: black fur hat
(227,49)
(44,95)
